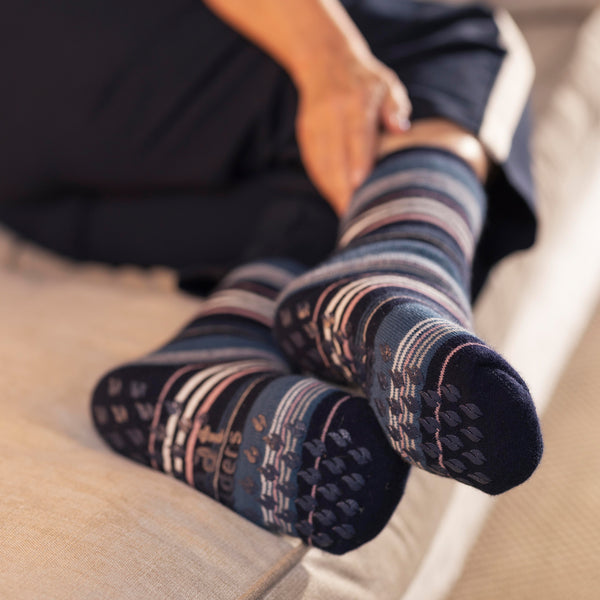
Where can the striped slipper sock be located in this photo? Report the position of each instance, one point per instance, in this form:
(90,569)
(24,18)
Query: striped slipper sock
(390,313)
(218,409)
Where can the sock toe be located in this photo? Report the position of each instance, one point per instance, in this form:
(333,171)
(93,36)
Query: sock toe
(515,445)
(356,480)
(495,420)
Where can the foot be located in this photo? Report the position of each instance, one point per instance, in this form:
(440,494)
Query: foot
(390,313)
(217,409)
(447,402)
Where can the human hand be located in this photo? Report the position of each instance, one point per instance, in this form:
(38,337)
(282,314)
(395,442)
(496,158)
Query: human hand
(341,110)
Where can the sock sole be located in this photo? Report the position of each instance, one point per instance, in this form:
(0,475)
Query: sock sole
(331,479)
(445,400)
(467,415)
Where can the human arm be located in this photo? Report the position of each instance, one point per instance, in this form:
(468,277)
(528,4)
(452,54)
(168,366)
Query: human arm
(345,93)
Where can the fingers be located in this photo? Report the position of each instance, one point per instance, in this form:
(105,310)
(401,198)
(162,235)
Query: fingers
(387,103)
(396,107)
(338,128)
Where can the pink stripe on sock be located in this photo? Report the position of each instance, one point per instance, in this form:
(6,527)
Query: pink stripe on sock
(316,311)
(335,408)
(240,312)
(203,409)
(282,421)
(414,346)
(158,408)
(421,218)
(348,313)
(227,431)
(439,390)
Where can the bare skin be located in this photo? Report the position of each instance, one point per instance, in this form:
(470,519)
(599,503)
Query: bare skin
(439,133)
(352,108)
(346,94)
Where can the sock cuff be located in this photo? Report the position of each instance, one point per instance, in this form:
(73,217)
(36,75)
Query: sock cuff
(272,273)
(433,171)
(249,291)
(420,153)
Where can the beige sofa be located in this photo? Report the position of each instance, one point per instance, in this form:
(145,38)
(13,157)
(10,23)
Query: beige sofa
(78,521)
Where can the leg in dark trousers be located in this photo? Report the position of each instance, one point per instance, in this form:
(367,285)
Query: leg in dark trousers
(148,100)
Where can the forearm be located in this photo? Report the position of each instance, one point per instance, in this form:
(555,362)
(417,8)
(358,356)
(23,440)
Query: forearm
(302,35)
(345,93)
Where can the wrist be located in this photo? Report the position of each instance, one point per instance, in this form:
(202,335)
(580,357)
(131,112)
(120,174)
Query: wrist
(330,66)
(331,43)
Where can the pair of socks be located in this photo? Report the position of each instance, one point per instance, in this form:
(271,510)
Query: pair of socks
(388,314)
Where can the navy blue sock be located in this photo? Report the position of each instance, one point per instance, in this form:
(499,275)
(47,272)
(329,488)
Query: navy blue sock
(390,313)
(218,409)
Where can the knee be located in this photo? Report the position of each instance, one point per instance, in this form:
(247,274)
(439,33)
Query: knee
(439,133)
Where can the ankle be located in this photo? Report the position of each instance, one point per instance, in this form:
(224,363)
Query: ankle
(443,134)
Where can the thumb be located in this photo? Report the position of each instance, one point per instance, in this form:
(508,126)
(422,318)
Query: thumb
(396,107)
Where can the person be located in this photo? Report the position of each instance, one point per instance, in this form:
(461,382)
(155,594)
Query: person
(208,136)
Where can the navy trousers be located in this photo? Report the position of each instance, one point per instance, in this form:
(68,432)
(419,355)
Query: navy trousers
(150,132)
